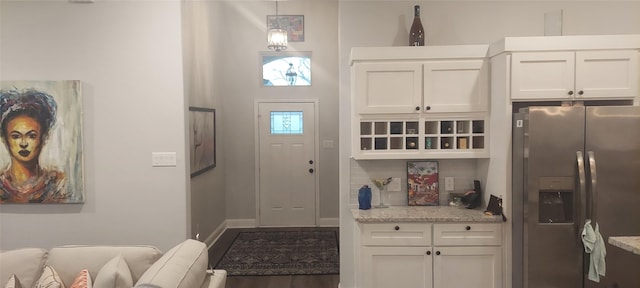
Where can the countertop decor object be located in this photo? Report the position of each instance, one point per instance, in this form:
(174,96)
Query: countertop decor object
(416,32)
(382,187)
(629,243)
(422,183)
(364,198)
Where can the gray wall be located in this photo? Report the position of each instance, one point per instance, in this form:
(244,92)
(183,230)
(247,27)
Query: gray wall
(208,211)
(128,57)
(242,26)
(386,23)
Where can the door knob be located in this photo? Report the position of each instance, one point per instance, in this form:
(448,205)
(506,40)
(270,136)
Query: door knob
(580,92)
(427,108)
(310,161)
(428,252)
(437,252)
(310,170)
(570,92)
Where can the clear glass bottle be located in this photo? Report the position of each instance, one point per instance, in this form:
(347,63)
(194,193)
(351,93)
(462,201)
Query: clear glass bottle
(416,33)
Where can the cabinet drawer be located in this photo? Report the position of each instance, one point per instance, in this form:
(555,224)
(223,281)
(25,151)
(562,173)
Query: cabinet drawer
(467,234)
(396,234)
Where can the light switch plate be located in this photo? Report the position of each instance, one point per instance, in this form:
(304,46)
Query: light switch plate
(448,183)
(163,159)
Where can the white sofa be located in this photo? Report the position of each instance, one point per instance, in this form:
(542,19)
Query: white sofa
(183,266)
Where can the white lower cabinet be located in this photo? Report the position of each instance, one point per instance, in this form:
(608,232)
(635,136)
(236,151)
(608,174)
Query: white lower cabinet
(397,267)
(426,255)
(478,267)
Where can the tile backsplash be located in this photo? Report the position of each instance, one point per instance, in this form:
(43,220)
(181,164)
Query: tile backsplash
(464,172)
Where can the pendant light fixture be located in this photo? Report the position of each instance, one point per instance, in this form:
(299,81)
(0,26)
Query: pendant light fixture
(277,37)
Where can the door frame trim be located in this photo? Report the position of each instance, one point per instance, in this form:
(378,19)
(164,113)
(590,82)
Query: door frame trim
(316,151)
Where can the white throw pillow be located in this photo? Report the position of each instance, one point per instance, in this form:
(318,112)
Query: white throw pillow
(184,266)
(49,279)
(13,282)
(114,274)
(66,259)
(25,263)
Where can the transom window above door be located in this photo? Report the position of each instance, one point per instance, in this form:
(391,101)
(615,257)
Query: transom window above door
(286,69)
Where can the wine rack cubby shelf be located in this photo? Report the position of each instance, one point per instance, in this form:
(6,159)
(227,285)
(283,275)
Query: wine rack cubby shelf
(425,136)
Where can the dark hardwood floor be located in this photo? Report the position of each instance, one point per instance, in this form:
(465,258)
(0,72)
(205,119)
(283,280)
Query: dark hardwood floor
(286,281)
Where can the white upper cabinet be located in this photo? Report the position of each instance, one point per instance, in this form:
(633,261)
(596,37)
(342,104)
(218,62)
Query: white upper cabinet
(607,74)
(455,86)
(570,75)
(566,68)
(388,87)
(435,79)
(543,75)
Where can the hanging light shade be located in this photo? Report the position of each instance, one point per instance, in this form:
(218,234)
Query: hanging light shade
(277,37)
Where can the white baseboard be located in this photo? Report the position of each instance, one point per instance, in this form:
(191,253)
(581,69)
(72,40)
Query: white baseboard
(213,237)
(329,222)
(229,223)
(241,223)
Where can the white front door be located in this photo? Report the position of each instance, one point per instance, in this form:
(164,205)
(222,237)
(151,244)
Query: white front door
(287,176)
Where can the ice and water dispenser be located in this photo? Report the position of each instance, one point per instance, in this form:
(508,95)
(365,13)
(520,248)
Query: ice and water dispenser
(556,200)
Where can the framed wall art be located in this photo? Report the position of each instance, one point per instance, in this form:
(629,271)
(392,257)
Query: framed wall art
(422,183)
(202,139)
(42,142)
(294,24)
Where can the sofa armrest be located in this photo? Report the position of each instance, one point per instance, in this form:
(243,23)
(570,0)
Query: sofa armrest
(215,279)
(183,266)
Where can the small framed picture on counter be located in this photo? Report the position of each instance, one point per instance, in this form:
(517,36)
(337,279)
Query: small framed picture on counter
(422,183)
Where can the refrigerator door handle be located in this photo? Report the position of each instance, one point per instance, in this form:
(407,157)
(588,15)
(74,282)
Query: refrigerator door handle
(594,178)
(583,190)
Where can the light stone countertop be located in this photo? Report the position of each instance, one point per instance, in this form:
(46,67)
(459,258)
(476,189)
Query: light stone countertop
(422,214)
(629,243)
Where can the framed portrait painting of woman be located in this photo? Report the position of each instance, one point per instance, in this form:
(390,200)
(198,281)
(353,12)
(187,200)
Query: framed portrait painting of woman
(41,133)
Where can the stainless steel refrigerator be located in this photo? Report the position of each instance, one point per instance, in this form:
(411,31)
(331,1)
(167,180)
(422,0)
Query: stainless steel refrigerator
(570,164)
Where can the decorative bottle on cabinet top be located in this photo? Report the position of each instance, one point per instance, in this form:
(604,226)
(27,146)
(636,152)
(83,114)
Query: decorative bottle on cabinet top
(364,198)
(416,33)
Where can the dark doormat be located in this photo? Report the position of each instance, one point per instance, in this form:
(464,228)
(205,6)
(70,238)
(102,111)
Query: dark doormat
(282,253)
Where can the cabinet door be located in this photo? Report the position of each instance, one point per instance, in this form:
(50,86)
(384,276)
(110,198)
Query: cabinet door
(396,267)
(606,74)
(478,267)
(455,86)
(542,75)
(392,87)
